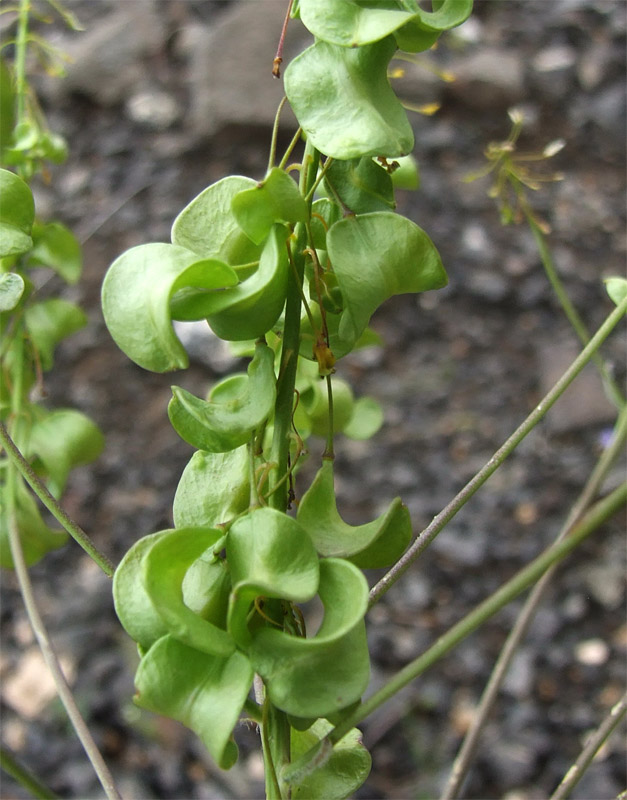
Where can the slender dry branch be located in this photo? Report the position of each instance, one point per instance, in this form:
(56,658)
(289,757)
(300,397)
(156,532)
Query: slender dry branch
(425,538)
(50,657)
(73,528)
(471,740)
(527,576)
(591,748)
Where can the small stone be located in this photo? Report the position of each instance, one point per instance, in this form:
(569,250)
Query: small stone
(520,676)
(153,109)
(475,240)
(592,652)
(31,687)
(488,285)
(554,58)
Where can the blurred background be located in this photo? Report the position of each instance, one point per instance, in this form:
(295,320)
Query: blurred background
(164,97)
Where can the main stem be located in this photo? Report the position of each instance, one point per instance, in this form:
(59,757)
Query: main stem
(291,343)
(276,729)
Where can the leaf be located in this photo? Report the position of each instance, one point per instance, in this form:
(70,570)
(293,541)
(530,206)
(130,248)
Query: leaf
(218,427)
(11,290)
(270,555)
(214,487)
(407,176)
(347,767)
(316,402)
(275,199)
(136,300)
(318,676)
(324,213)
(413,38)
(344,102)
(64,439)
(616,288)
(249,310)
(446,14)
(366,420)
(49,322)
(361,185)
(350,23)
(17,214)
(163,570)
(36,537)
(207,225)
(371,545)
(133,605)
(374,257)
(56,247)
(206,587)
(206,693)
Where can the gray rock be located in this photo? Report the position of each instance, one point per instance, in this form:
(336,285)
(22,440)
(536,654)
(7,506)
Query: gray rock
(230,78)
(584,403)
(110,59)
(490,78)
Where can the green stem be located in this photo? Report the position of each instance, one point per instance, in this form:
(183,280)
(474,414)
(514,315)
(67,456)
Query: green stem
(276,729)
(275,134)
(47,650)
(24,777)
(291,343)
(75,531)
(425,538)
(273,788)
(328,450)
(21,45)
(615,394)
(593,519)
(321,175)
(469,746)
(290,148)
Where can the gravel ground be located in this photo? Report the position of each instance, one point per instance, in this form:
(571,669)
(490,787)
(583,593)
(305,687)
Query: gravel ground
(153,113)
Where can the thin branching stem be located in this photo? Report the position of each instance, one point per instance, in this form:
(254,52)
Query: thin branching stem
(425,538)
(590,749)
(290,148)
(47,650)
(469,746)
(593,519)
(75,531)
(569,309)
(275,134)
